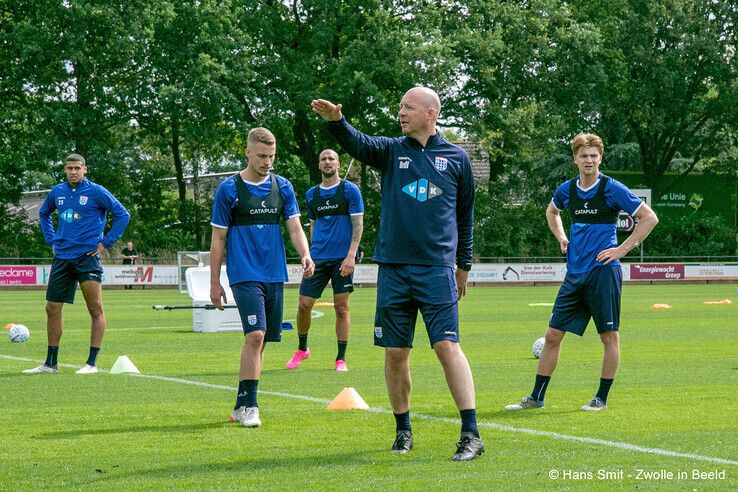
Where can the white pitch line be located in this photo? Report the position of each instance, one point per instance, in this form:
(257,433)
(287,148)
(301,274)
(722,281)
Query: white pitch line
(490,425)
(86,330)
(315,314)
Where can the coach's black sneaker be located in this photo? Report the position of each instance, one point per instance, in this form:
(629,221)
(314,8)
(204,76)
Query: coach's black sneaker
(468,448)
(403,442)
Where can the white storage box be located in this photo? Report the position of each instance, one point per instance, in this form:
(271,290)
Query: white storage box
(211,320)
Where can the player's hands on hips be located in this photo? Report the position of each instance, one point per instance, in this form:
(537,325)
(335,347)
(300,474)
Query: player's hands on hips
(327,110)
(347,266)
(564,245)
(100,250)
(218,296)
(610,254)
(308,267)
(462,276)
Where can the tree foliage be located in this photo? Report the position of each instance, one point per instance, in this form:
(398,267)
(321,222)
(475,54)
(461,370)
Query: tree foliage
(669,79)
(149,90)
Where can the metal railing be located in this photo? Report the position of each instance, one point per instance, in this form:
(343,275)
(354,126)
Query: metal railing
(172,260)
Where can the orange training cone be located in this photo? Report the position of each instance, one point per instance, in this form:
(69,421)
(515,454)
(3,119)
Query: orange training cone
(348,399)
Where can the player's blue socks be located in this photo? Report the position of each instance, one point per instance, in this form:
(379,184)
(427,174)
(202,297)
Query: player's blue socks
(247,389)
(539,389)
(52,352)
(469,421)
(402,421)
(341,350)
(302,342)
(92,358)
(604,389)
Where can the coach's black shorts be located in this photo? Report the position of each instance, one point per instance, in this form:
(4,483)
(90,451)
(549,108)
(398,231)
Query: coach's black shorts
(326,270)
(402,291)
(66,274)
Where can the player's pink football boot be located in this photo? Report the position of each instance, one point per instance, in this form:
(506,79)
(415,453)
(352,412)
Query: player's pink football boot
(297,358)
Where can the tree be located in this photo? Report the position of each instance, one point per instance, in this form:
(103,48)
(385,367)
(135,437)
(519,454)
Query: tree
(192,93)
(68,63)
(64,64)
(519,60)
(362,53)
(669,79)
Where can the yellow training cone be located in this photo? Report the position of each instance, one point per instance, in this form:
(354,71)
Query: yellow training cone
(123,364)
(348,399)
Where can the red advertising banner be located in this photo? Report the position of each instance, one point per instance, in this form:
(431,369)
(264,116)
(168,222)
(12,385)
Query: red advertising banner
(656,271)
(17,275)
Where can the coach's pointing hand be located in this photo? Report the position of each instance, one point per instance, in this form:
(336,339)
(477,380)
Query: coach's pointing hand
(327,110)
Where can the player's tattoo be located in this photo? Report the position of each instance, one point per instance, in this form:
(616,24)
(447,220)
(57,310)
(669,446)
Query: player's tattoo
(357,228)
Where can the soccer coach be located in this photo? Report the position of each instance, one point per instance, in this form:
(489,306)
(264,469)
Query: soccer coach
(426,227)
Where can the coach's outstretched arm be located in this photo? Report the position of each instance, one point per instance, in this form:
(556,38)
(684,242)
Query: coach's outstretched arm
(327,110)
(371,150)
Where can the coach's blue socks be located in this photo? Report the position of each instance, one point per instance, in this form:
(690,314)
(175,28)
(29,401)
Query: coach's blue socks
(539,389)
(302,343)
(604,389)
(92,358)
(247,389)
(402,421)
(52,352)
(469,421)
(341,350)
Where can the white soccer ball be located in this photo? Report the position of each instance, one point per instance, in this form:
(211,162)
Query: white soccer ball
(538,347)
(18,333)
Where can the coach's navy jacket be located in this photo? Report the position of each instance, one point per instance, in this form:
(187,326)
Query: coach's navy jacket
(427,196)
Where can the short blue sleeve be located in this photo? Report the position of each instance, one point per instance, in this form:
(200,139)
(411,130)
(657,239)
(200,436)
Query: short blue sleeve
(223,203)
(620,197)
(308,200)
(353,197)
(561,196)
(290,200)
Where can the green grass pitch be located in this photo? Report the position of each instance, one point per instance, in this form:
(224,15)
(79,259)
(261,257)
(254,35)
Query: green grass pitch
(672,407)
